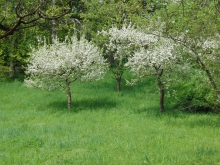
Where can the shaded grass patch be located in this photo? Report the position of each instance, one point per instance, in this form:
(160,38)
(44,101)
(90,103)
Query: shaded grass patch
(83,104)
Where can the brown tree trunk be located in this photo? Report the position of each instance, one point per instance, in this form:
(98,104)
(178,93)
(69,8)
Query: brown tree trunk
(161,87)
(69,99)
(119,84)
(119,73)
(111,59)
(162,99)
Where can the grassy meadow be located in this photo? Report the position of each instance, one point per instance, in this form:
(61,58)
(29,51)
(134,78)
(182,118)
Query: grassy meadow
(103,127)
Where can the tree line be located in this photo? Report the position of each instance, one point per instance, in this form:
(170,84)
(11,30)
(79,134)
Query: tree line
(176,41)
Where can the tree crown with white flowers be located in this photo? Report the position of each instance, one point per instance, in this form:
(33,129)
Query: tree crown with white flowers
(152,54)
(61,63)
(159,54)
(158,57)
(122,43)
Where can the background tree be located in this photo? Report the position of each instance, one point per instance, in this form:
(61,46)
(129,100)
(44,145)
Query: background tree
(51,18)
(102,15)
(14,54)
(119,46)
(144,53)
(158,59)
(195,25)
(61,63)
(23,14)
(122,42)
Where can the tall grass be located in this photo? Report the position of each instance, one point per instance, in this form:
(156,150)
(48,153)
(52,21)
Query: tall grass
(103,127)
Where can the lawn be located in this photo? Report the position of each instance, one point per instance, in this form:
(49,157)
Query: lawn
(103,127)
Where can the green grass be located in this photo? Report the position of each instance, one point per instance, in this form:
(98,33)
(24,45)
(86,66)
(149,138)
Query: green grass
(103,127)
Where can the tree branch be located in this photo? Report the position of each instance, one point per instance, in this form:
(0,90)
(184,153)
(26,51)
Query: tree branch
(2,27)
(28,18)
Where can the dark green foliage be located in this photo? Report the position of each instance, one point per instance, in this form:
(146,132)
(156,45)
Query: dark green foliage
(13,55)
(194,94)
(102,15)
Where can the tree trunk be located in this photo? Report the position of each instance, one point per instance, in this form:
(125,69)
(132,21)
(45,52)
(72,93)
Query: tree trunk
(11,69)
(119,84)
(161,87)
(12,66)
(69,102)
(213,83)
(53,27)
(208,73)
(162,99)
(118,75)
(111,58)
(218,95)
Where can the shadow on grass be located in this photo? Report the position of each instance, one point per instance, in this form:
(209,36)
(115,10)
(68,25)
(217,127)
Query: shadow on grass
(150,111)
(83,104)
(178,118)
(203,120)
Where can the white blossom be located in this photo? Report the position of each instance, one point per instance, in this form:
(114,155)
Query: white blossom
(51,65)
(159,54)
(211,43)
(121,40)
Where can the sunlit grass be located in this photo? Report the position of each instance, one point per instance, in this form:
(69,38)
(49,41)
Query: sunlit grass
(103,127)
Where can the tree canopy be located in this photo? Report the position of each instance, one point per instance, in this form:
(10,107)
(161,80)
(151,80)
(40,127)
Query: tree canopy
(146,37)
(61,63)
(24,14)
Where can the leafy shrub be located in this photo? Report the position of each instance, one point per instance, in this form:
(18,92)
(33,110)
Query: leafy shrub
(193,93)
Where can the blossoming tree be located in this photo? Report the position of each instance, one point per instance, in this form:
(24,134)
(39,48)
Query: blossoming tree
(121,44)
(61,63)
(152,55)
(205,52)
(195,26)
(156,59)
